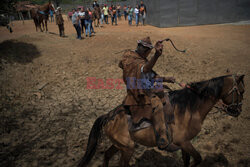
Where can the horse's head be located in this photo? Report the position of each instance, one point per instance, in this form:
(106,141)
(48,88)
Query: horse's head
(51,6)
(232,94)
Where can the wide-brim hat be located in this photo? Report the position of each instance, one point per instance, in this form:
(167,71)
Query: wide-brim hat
(146,42)
(59,8)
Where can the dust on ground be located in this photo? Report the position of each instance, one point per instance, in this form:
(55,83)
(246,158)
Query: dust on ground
(47,111)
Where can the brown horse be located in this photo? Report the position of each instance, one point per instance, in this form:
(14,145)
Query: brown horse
(191,106)
(97,16)
(40,15)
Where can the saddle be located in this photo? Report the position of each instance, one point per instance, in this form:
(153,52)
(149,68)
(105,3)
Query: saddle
(142,112)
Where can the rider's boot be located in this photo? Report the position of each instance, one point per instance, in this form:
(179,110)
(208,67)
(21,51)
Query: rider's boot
(159,123)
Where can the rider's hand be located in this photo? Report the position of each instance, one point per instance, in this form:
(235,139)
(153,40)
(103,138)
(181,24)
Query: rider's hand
(171,79)
(158,48)
(182,85)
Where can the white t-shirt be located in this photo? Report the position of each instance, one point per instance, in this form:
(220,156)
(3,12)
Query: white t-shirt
(81,14)
(136,11)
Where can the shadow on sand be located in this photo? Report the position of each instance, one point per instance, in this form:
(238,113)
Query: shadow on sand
(151,158)
(12,51)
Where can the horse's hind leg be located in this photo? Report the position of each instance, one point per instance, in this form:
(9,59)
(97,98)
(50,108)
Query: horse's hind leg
(126,156)
(189,149)
(109,154)
(185,158)
(35,24)
(40,27)
(43,25)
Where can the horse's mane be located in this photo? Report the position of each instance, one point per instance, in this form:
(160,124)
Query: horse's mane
(191,98)
(44,6)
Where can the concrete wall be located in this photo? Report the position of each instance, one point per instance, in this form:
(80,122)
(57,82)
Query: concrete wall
(170,13)
(68,7)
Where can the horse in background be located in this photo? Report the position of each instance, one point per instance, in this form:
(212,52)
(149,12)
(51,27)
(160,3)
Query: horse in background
(40,15)
(96,16)
(190,105)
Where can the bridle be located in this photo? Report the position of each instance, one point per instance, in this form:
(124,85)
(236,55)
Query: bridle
(234,108)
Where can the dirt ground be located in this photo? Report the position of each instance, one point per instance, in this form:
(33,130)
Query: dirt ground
(47,111)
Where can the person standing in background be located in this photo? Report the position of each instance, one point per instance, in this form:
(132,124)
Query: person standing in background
(137,15)
(118,7)
(125,11)
(87,23)
(106,13)
(51,13)
(75,22)
(102,15)
(143,12)
(130,15)
(70,15)
(114,14)
(91,21)
(60,21)
(95,4)
(82,19)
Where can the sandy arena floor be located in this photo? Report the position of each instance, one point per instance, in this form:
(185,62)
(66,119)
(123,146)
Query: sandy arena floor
(47,112)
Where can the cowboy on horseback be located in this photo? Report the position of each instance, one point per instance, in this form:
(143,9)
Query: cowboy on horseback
(142,92)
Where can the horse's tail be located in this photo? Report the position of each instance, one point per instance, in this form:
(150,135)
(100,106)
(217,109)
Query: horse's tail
(94,135)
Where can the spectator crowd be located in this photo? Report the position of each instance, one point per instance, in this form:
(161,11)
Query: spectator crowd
(83,18)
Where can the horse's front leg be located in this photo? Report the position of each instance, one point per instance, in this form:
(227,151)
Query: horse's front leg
(46,25)
(188,148)
(42,25)
(185,158)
